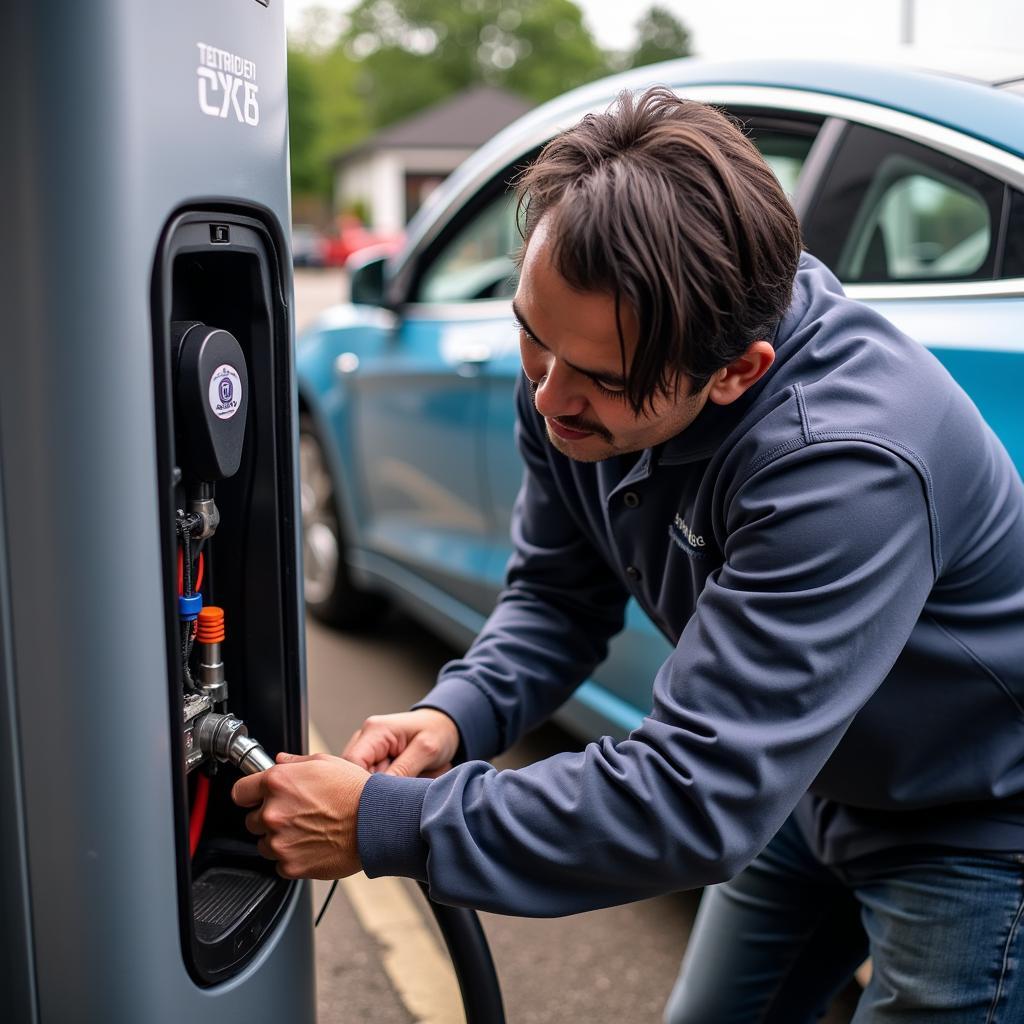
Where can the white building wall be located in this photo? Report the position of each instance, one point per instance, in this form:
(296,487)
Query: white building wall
(378,179)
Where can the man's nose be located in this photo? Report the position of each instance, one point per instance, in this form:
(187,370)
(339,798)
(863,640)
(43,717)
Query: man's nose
(558,391)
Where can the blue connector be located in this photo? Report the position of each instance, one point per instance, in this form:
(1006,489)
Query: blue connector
(190,607)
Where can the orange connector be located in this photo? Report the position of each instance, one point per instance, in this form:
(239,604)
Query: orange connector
(210,625)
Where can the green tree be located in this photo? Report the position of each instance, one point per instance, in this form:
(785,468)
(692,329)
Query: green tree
(415,52)
(303,123)
(325,112)
(660,36)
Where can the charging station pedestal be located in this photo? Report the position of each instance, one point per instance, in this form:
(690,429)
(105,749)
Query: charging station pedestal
(146,367)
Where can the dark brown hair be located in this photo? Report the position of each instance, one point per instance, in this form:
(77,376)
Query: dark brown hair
(666,205)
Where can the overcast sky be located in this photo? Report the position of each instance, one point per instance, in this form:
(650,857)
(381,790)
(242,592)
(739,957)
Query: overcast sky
(808,27)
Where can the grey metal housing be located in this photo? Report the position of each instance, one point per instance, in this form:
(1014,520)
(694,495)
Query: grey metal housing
(106,137)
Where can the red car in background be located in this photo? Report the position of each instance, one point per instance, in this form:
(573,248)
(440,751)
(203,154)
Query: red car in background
(351,236)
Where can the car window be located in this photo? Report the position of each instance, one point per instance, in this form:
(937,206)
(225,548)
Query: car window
(895,210)
(476,262)
(914,224)
(784,152)
(784,139)
(785,155)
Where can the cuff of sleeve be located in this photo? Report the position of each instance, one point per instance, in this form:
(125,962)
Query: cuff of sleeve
(472,713)
(388,827)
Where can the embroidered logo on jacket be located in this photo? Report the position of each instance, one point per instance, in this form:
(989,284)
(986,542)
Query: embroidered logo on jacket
(685,538)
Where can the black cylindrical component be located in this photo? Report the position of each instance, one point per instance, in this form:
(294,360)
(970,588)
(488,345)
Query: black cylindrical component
(474,968)
(212,394)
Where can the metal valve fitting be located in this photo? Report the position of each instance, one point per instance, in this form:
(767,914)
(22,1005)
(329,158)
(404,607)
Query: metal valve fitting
(226,738)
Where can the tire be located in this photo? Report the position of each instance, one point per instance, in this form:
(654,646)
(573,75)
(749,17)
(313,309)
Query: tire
(327,584)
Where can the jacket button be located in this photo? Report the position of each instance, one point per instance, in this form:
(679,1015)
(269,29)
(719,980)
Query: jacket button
(632,572)
(631,499)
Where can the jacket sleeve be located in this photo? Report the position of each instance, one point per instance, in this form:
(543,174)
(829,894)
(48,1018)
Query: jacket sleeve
(828,565)
(550,628)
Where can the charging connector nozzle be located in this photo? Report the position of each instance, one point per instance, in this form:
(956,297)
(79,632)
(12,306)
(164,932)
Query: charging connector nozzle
(226,738)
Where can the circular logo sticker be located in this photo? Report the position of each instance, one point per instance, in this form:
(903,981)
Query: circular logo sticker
(225,391)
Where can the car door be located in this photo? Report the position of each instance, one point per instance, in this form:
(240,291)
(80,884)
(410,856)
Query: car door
(419,415)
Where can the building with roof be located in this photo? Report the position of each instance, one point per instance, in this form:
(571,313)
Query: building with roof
(390,174)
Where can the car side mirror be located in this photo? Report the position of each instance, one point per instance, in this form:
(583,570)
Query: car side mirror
(366,280)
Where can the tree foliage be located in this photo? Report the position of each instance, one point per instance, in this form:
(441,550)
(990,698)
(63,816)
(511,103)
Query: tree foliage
(660,36)
(415,52)
(325,112)
(303,123)
(390,59)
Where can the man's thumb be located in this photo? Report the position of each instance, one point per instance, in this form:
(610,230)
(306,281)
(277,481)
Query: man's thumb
(408,764)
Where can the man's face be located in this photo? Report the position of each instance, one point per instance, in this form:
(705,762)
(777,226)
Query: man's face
(569,344)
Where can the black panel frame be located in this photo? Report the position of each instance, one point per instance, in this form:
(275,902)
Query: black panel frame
(252,561)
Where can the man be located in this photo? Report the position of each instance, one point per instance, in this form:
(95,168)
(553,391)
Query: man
(814,513)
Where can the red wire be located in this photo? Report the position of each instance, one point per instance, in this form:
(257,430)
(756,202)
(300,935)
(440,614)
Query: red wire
(181,573)
(198,815)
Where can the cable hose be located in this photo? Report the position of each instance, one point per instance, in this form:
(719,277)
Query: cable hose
(471,956)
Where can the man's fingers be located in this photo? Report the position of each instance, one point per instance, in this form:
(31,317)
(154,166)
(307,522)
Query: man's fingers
(248,791)
(254,823)
(369,749)
(371,746)
(419,756)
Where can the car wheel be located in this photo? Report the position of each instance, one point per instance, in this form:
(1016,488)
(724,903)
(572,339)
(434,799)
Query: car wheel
(329,591)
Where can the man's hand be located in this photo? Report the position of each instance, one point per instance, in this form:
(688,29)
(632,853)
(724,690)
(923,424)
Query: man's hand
(413,743)
(305,814)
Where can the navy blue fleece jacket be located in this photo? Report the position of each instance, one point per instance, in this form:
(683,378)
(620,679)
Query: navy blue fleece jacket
(838,558)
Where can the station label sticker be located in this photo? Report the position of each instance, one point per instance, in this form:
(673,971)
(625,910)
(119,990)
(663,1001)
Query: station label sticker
(227,85)
(225,391)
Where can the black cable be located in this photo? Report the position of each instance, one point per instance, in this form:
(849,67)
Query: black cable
(471,956)
(327,900)
(185,523)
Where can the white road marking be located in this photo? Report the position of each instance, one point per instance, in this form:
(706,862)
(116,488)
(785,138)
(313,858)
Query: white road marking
(418,967)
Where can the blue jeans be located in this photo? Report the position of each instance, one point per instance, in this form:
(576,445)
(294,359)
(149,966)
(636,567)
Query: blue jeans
(776,943)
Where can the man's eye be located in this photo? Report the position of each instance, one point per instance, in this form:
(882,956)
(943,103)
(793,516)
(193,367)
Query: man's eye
(524,334)
(615,390)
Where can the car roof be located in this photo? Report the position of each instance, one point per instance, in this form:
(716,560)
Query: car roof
(989,67)
(984,66)
(948,96)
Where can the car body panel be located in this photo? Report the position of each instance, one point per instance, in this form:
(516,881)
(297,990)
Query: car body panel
(988,365)
(423,500)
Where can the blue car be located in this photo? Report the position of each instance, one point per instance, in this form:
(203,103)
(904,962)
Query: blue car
(909,185)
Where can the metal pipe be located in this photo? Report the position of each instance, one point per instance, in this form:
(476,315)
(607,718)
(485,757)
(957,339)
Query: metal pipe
(211,672)
(248,756)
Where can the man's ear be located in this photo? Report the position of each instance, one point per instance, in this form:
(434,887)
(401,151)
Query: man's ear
(743,372)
